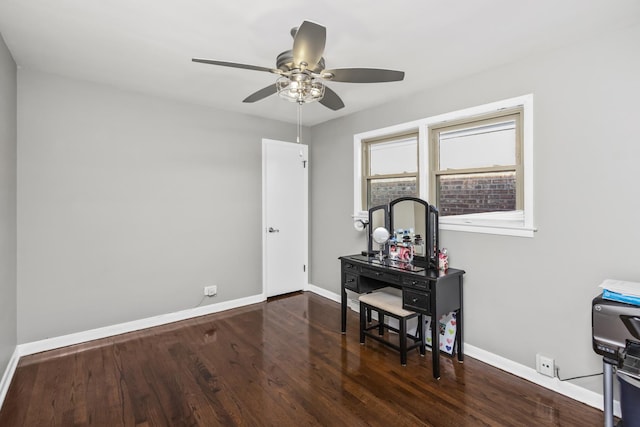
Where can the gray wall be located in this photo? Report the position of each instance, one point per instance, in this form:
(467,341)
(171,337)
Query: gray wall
(522,295)
(129,205)
(8,139)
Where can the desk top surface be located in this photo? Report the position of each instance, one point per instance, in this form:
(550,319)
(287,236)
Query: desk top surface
(416,268)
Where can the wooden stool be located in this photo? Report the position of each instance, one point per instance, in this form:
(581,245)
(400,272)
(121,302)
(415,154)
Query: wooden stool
(388,304)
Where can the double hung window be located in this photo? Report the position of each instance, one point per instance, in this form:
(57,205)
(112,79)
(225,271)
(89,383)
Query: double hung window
(476,166)
(390,167)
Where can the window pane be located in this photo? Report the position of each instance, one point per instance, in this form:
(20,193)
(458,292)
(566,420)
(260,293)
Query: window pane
(382,191)
(480,146)
(393,157)
(476,193)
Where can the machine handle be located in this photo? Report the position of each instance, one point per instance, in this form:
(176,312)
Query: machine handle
(273,230)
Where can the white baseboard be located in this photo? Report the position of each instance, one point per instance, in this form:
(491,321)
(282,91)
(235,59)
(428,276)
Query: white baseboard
(5,382)
(573,391)
(135,325)
(323,292)
(570,390)
(109,331)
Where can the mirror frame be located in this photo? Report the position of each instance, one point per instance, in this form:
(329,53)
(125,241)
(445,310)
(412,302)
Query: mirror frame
(370,242)
(431,237)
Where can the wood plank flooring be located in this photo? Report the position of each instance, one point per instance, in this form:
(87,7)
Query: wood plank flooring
(279,363)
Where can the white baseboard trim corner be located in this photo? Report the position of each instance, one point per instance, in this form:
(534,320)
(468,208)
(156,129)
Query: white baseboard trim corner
(323,292)
(135,325)
(573,391)
(5,382)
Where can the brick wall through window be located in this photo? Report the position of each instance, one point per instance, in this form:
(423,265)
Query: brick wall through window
(476,193)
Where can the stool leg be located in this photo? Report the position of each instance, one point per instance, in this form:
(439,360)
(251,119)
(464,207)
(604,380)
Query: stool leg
(380,323)
(363,321)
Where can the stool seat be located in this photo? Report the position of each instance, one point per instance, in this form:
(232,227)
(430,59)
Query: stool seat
(386,303)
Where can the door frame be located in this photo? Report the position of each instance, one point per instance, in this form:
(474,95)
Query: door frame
(305,238)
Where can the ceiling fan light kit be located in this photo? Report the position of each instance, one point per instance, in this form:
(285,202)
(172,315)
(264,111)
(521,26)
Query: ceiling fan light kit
(302,71)
(300,88)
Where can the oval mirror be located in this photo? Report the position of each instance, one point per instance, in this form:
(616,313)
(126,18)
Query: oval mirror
(380,235)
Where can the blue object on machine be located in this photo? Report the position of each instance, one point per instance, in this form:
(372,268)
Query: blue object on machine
(615,296)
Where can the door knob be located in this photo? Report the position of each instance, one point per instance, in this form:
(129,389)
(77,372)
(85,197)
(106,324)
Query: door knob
(273,230)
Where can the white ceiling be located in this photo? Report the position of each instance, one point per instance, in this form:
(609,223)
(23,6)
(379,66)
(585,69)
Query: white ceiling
(147,45)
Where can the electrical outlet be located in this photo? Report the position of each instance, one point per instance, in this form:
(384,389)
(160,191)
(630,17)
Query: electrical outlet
(545,365)
(211,291)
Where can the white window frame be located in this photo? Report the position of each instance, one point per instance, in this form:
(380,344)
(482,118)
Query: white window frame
(388,132)
(519,224)
(369,146)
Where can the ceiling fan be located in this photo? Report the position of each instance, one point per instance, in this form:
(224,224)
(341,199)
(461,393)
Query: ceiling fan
(302,71)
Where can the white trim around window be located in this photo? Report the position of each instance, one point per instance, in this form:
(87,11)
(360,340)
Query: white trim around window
(521,224)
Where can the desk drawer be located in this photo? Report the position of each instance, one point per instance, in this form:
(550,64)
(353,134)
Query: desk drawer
(348,267)
(351,282)
(416,301)
(416,283)
(380,275)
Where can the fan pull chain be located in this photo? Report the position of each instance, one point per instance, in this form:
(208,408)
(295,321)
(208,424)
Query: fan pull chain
(299,127)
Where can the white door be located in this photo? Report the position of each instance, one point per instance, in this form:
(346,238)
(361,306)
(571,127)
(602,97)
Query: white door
(284,217)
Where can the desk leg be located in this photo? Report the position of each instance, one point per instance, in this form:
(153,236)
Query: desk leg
(435,345)
(343,297)
(460,322)
(459,343)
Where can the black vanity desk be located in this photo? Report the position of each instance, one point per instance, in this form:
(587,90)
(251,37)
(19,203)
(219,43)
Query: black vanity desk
(426,291)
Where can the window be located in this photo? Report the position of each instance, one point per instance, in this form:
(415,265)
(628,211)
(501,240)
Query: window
(390,169)
(477,166)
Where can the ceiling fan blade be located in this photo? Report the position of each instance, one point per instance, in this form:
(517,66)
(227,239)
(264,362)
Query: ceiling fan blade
(261,94)
(308,44)
(331,100)
(362,75)
(236,65)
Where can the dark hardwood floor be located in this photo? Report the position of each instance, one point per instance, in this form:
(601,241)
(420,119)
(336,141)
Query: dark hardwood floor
(279,363)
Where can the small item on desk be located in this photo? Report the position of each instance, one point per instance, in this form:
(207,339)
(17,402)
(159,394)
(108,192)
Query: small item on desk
(405,253)
(393,250)
(417,245)
(443,260)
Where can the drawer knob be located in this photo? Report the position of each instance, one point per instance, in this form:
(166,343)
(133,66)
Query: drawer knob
(414,299)
(379,274)
(415,282)
(350,280)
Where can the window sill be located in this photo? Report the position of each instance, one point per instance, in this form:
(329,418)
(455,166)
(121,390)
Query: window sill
(498,228)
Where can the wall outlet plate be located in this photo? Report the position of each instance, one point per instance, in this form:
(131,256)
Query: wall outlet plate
(210,291)
(545,365)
